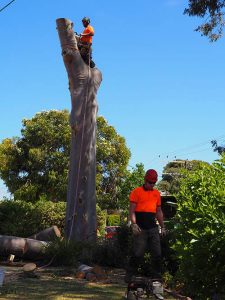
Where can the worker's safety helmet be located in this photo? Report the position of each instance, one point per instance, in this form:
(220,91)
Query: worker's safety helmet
(151,175)
(86,19)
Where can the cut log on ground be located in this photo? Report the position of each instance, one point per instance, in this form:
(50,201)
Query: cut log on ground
(12,245)
(35,249)
(29,271)
(29,267)
(80,275)
(49,234)
(22,247)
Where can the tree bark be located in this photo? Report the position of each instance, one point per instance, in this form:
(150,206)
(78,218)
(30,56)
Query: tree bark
(22,247)
(35,249)
(80,223)
(48,234)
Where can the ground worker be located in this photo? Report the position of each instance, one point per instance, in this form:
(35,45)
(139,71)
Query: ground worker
(145,208)
(85,42)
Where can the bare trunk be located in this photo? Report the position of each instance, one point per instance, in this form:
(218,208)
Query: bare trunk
(22,247)
(83,83)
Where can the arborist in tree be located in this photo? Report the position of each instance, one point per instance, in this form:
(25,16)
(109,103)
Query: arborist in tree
(145,208)
(85,42)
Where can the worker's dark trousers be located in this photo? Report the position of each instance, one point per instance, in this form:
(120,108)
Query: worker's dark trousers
(86,54)
(147,240)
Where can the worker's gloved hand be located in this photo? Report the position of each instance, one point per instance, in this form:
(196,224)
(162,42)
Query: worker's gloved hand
(135,229)
(163,231)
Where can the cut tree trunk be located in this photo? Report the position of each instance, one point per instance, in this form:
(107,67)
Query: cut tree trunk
(84,82)
(29,267)
(12,245)
(49,234)
(22,247)
(35,249)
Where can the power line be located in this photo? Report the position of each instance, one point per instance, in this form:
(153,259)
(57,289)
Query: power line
(6,5)
(181,150)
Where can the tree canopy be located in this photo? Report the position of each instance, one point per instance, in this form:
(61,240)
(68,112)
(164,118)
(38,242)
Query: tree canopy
(133,179)
(220,149)
(173,173)
(36,164)
(112,160)
(213,11)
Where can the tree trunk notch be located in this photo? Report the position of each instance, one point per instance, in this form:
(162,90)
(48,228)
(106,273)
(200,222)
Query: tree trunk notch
(84,82)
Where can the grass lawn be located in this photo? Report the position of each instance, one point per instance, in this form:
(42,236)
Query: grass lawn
(60,284)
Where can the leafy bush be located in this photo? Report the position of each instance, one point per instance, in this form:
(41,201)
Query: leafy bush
(107,252)
(101,220)
(113,220)
(69,253)
(114,252)
(200,234)
(19,218)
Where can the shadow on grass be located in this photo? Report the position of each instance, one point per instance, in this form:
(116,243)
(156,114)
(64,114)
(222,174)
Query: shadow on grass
(60,284)
(60,289)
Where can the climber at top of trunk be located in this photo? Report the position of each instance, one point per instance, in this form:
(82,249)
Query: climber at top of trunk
(85,42)
(88,32)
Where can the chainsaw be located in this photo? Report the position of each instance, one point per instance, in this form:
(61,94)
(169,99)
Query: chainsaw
(143,288)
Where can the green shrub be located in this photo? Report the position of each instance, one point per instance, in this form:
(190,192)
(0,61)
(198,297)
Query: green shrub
(69,253)
(114,252)
(200,234)
(113,220)
(19,218)
(107,253)
(101,220)
(22,218)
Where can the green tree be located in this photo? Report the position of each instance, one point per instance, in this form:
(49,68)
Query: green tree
(112,161)
(20,218)
(133,179)
(36,164)
(173,172)
(213,10)
(200,235)
(220,149)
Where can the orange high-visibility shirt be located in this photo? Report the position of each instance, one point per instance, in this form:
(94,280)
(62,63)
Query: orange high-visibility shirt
(146,201)
(87,39)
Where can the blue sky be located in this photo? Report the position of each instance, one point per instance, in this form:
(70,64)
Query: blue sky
(163,84)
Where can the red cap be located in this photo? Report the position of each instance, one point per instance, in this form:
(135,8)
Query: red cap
(151,175)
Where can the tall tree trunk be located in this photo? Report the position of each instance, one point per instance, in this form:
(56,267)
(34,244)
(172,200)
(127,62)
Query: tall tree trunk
(83,84)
